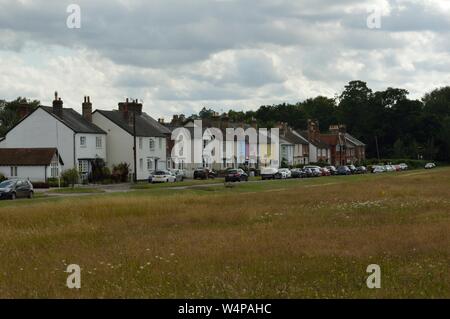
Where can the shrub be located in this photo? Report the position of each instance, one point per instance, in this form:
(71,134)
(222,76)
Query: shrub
(70,177)
(120,172)
(40,185)
(99,171)
(53,182)
(2,177)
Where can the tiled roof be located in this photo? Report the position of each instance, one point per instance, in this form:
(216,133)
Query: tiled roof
(74,121)
(27,156)
(146,126)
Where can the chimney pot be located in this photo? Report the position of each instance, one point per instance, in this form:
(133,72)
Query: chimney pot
(87,109)
(57,105)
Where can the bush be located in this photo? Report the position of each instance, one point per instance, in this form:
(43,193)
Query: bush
(99,171)
(120,172)
(53,182)
(40,185)
(70,177)
(2,177)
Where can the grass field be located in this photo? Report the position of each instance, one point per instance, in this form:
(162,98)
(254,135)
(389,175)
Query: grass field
(276,239)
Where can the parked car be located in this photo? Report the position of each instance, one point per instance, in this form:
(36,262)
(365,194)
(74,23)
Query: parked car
(270,173)
(179,173)
(325,171)
(389,168)
(378,169)
(343,170)
(316,171)
(163,177)
(236,175)
(403,166)
(361,170)
(204,173)
(430,165)
(297,173)
(332,169)
(285,172)
(352,168)
(16,188)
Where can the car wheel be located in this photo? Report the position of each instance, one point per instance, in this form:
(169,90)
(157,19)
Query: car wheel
(13,196)
(30,195)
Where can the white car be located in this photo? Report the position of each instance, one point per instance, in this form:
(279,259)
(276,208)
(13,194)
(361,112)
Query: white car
(163,177)
(285,173)
(430,166)
(378,169)
(389,168)
(403,166)
(269,173)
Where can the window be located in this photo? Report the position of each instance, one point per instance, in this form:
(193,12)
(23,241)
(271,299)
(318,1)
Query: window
(149,164)
(141,164)
(160,143)
(83,166)
(152,144)
(13,171)
(98,142)
(54,170)
(83,141)
(140,143)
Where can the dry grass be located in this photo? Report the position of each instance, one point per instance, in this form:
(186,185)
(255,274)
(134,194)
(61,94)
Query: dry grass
(268,240)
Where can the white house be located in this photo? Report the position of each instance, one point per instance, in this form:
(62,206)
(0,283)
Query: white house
(78,141)
(34,164)
(151,138)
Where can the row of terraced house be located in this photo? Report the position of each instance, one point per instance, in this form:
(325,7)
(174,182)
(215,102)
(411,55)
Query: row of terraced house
(50,139)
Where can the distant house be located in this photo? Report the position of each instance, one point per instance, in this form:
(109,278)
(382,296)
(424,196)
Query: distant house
(151,138)
(319,151)
(294,148)
(34,164)
(78,141)
(345,149)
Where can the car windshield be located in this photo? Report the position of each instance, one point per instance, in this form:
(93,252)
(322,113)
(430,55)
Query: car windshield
(232,171)
(162,173)
(6,184)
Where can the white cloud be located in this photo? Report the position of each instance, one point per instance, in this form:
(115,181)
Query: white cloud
(179,56)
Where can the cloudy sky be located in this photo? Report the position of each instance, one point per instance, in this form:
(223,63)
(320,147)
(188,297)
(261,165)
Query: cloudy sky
(180,55)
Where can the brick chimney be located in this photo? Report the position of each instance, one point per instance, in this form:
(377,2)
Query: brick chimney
(57,105)
(87,109)
(128,108)
(313,130)
(161,120)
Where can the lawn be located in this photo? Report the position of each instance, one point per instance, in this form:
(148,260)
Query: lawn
(278,239)
(75,190)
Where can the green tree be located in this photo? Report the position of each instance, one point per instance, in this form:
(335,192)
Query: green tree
(9,112)
(70,177)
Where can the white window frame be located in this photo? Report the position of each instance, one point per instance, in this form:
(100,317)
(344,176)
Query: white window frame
(99,142)
(149,164)
(83,141)
(13,171)
(151,144)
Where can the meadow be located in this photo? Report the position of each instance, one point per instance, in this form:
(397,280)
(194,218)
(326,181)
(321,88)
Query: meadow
(309,238)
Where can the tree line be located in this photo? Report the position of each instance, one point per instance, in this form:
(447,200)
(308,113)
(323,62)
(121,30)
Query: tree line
(391,124)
